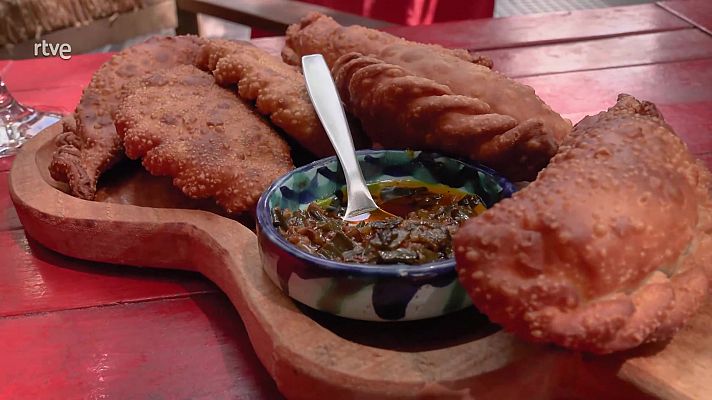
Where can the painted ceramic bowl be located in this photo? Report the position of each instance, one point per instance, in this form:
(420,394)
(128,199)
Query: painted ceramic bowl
(368,291)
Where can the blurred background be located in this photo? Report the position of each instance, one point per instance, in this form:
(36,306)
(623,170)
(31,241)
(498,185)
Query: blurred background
(110,25)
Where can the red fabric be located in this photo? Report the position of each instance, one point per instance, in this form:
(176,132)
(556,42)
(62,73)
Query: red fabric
(413,12)
(406,12)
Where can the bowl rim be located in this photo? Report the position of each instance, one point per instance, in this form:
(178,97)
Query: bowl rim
(264,225)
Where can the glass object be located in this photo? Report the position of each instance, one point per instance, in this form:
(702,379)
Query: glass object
(19,123)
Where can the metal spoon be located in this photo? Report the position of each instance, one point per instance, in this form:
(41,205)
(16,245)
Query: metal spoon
(322,91)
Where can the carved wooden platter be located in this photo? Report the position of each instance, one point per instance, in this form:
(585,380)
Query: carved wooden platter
(313,355)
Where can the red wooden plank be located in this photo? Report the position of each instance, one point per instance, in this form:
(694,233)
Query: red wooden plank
(651,48)
(52,72)
(683,91)
(697,12)
(35,279)
(691,121)
(8,216)
(586,91)
(4,65)
(6,163)
(60,100)
(544,28)
(189,348)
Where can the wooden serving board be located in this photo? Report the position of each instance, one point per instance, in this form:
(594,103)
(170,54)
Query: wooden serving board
(313,355)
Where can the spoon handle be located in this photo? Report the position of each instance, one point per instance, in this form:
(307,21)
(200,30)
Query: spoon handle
(327,104)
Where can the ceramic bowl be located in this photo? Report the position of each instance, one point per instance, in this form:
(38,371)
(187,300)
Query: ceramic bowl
(360,291)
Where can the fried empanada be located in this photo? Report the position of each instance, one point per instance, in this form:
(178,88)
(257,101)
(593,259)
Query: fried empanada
(183,125)
(607,249)
(89,145)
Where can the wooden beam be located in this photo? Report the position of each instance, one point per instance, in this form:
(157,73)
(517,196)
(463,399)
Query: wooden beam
(270,15)
(187,23)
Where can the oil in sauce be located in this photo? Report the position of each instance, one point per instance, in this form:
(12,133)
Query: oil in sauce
(427,216)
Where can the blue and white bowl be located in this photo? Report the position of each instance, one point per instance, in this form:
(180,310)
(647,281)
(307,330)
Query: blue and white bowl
(368,291)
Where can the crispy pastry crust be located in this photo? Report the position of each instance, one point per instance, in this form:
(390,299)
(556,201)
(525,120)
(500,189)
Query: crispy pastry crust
(318,33)
(277,88)
(461,72)
(183,125)
(398,109)
(89,145)
(607,249)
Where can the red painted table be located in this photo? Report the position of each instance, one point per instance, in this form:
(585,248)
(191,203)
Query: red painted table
(72,329)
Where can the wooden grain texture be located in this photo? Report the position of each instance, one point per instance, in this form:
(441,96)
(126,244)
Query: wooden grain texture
(187,348)
(681,370)
(306,359)
(8,216)
(34,279)
(621,51)
(682,90)
(585,91)
(696,12)
(296,351)
(544,28)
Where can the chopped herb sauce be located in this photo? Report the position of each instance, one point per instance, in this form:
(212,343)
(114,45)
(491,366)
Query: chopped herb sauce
(427,217)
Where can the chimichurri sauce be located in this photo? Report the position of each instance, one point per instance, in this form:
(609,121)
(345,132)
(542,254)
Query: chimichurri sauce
(427,217)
